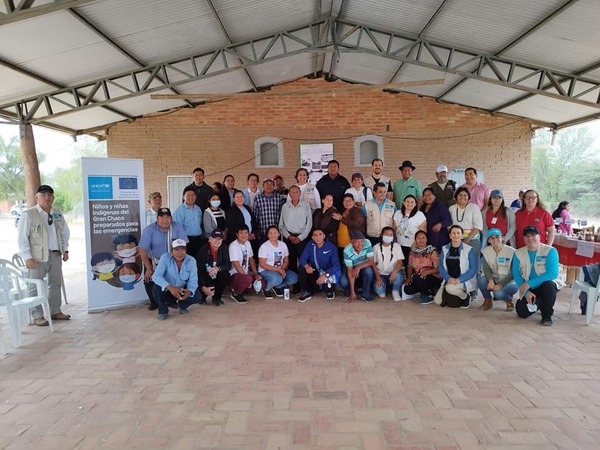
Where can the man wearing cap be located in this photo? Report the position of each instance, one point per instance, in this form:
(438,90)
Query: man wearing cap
(379,213)
(333,183)
(176,280)
(43,239)
(535,270)
(359,261)
(267,208)
(407,185)
(497,283)
(359,191)
(279,186)
(213,267)
(203,191)
(480,193)
(157,240)
(377,177)
(443,188)
(190,216)
(155,202)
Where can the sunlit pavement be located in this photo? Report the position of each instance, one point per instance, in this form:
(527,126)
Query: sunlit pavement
(288,375)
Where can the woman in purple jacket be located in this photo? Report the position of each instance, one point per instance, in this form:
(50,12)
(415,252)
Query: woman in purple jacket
(438,219)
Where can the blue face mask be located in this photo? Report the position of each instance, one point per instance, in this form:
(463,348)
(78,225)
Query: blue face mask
(127,278)
(215,203)
(388,239)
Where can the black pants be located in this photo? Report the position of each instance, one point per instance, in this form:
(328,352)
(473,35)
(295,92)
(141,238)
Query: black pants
(427,286)
(545,296)
(194,244)
(295,252)
(308,281)
(149,291)
(219,283)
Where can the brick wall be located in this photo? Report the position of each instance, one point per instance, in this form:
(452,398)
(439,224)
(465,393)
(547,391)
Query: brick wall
(220,136)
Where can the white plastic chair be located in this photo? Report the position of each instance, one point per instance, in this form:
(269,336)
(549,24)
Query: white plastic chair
(14,296)
(593,293)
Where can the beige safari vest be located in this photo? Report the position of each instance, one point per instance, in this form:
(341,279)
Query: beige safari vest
(376,219)
(539,264)
(499,263)
(38,233)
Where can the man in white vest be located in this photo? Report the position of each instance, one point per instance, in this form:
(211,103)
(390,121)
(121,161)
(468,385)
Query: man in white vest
(43,239)
(535,270)
(379,213)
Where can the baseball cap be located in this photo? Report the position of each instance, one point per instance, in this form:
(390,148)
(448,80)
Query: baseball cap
(530,229)
(154,195)
(441,168)
(493,232)
(44,188)
(496,193)
(268,179)
(216,234)
(356,234)
(178,243)
(164,212)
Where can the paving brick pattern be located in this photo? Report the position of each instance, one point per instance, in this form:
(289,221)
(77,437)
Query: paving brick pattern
(278,375)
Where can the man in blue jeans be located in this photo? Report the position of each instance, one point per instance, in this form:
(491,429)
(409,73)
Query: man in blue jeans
(176,279)
(359,260)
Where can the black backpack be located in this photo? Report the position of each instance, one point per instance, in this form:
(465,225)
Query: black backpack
(450,300)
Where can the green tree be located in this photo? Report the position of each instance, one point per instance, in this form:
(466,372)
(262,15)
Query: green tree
(12,181)
(565,170)
(67,181)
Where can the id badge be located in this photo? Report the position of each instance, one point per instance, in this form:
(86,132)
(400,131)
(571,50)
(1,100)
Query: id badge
(494,220)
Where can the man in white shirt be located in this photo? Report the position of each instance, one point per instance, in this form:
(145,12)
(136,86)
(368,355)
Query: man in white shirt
(43,239)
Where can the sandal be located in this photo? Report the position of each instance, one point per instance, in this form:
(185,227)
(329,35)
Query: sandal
(60,316)
(509,305)
(40,322)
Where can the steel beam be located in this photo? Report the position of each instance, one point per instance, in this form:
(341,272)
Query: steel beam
(105,91)
(518,40)
(431,55)
(28,9)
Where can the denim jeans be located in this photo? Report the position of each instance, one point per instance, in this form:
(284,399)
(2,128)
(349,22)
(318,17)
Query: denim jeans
(506,293)
(164,297)
(396,285)
(273,279)
(365,277)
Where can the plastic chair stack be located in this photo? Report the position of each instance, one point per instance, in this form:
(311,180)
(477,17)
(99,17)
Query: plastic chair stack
(15,297)
(592,297)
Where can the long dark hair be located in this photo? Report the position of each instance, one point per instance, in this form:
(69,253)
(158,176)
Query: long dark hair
(561,206)
(414,210)
(502,207)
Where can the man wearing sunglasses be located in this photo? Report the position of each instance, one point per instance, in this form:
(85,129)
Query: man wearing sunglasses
(43,239)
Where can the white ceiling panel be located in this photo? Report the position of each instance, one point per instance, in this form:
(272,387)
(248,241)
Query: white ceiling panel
(138,106)
(283,70)
(481,94)
(365,68)
(411,72)
(84,120)
(236,81)
(547,109)
(16,85)
(157,30)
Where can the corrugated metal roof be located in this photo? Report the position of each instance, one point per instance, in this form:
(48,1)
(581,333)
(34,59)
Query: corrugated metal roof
(64,49)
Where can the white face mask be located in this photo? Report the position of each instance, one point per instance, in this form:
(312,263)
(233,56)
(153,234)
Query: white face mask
(127,278)
(215,203)
(106,268)
(127,252)
(388,239)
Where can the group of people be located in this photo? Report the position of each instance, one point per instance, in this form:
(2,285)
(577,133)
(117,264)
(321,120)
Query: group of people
(364,236)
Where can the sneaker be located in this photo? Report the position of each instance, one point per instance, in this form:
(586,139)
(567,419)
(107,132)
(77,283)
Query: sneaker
(163,316)
(330,294)
(183,311)
(152,306)
(238,298)
(547,322)
(473,296)
(305,297)
(426,299)
(382,295)
(277,291)
(464,304)
(396,296)
(365,299)
(268,295)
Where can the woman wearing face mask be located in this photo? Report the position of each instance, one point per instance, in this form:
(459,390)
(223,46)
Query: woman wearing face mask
(214,217)
(308,191)
(388,265)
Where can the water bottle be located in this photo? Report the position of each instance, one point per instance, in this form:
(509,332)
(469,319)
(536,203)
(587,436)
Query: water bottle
(215,274)
(286,294)
(208,270)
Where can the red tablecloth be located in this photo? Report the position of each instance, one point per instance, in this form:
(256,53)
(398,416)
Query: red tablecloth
(567,247)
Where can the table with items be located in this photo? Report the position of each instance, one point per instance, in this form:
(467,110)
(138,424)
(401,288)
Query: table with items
(574,253)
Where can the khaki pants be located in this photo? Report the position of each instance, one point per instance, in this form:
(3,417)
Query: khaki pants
(52,268)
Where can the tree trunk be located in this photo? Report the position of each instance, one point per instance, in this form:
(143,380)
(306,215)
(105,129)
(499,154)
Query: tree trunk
(30,163)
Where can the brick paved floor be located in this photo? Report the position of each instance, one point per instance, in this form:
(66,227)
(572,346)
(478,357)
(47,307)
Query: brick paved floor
(320,375)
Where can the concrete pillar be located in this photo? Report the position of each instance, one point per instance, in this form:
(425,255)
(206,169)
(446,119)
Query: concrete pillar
(30,162)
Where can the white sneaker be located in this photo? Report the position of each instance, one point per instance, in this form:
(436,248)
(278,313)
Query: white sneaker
(396,296)
(382,295)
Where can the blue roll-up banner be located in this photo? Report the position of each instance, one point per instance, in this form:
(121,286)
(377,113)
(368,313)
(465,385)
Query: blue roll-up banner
(113,193)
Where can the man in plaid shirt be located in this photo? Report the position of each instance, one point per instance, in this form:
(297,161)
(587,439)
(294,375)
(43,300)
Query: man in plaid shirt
(267,207)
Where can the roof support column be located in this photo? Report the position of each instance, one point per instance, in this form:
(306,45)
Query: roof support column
(30,162)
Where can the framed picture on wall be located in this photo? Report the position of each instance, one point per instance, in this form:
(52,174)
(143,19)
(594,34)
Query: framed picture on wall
(314,158)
